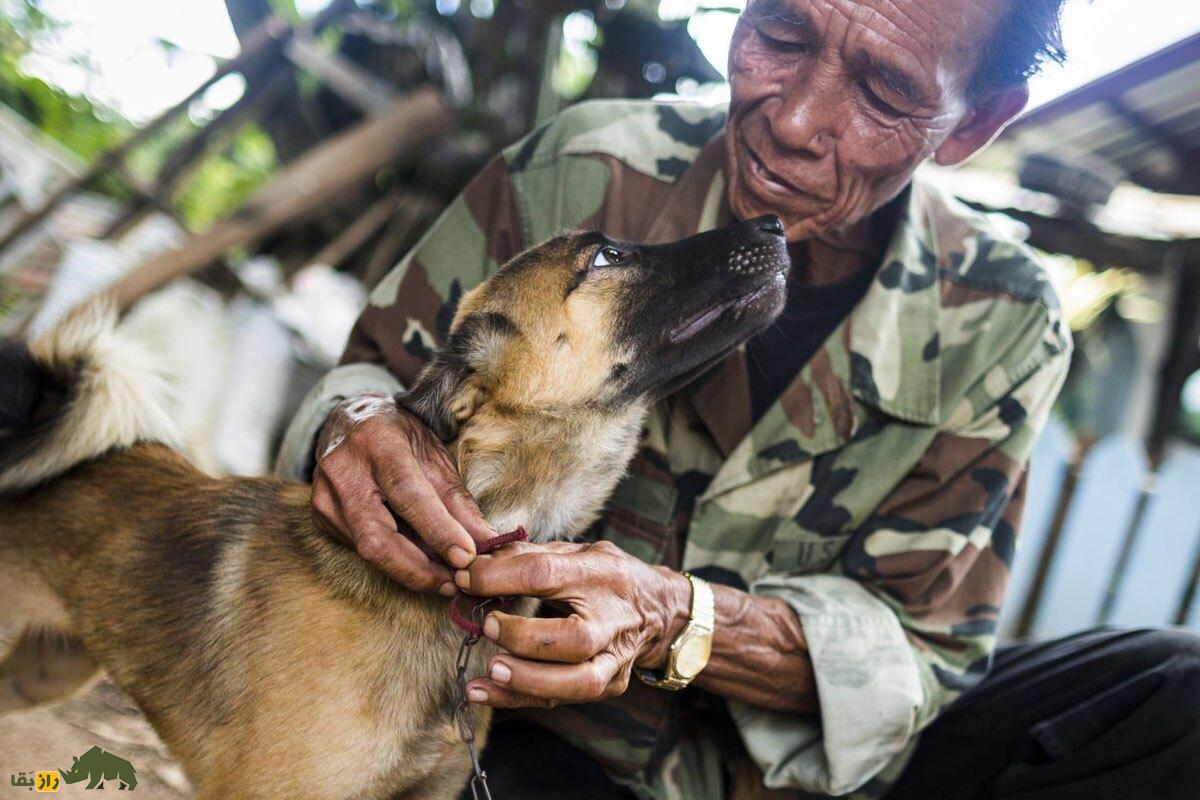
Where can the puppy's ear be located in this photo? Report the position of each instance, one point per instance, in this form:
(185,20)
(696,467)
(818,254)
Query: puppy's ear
(455,382)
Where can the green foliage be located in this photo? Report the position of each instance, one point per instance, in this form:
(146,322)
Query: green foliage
(221,183)
(573,72)
(398,9)
(76,122)
(286,9)
(10,298)
(1188,424)
(215,187)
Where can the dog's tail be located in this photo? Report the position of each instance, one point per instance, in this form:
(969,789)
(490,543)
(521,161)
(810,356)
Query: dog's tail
(75,393)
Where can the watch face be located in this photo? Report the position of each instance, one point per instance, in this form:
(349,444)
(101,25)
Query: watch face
(692,654)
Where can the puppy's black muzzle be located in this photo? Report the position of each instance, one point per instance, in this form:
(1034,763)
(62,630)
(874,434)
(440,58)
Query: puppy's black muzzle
(703,296)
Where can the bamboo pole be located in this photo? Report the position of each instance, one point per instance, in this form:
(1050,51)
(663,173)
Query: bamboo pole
(180,162)
(304,187)
(272,34)
(411,212)
(348,80)
(366,225)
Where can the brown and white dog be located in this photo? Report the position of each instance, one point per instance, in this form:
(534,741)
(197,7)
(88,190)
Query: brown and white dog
(256,645)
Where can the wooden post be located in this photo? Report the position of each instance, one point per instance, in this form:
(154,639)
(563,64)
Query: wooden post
(1182,357)
(304,187)
(1189,590)
(1066,494)
(1132,531)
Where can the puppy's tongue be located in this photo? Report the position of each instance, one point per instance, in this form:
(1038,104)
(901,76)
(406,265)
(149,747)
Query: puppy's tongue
(697,323)
(705,318)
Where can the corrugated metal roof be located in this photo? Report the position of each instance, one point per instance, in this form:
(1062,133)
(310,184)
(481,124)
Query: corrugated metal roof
(1144,119)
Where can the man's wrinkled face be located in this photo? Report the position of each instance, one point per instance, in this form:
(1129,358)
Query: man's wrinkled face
(836,102)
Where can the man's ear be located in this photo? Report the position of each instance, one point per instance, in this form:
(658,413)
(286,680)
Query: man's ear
(456,381)
(988,115)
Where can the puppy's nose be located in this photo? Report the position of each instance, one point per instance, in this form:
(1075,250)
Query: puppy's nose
(769,223)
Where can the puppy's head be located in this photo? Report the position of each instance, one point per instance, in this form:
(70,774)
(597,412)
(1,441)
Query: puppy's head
(583,320)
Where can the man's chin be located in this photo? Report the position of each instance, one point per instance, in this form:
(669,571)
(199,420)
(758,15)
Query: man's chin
(748,199)
(798,225)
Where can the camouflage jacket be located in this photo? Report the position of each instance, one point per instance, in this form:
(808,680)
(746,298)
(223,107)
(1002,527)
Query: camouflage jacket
(879,496)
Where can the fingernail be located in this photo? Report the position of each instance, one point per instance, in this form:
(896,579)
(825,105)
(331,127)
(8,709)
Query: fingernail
(463,579)
(457,557)
(476,695)
(500,672)
(448,589)
(491,627)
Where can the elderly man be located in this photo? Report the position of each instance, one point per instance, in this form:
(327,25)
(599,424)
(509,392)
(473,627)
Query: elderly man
(844,493)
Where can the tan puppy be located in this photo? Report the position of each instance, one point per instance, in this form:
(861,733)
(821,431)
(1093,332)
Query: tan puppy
(255,645)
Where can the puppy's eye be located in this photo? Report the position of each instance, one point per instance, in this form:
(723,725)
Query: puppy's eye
(607,257)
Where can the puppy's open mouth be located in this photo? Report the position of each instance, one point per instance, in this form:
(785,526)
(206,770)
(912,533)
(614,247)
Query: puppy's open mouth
(697,323)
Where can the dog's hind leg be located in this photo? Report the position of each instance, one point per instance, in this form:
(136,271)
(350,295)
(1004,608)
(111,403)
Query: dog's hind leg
(43,665)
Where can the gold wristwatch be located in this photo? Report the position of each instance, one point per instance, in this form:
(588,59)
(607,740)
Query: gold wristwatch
(691,649)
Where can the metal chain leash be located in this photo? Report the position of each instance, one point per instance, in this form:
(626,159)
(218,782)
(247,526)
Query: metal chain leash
(464,715)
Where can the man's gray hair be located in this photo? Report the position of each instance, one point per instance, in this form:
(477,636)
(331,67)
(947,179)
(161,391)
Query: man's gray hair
(1028,35)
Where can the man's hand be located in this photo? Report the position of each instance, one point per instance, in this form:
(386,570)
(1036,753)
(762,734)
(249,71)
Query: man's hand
(377,462)
(624,613)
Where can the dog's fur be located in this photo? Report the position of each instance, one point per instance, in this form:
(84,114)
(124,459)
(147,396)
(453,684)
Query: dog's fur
(256,645)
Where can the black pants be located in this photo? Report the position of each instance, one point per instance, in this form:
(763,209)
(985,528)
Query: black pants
(1098,715)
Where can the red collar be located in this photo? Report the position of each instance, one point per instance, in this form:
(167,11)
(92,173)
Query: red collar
(470,618)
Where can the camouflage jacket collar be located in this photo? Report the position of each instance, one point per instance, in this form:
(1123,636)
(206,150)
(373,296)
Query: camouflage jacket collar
(884,357)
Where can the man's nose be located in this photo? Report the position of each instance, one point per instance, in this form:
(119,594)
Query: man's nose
(805,124)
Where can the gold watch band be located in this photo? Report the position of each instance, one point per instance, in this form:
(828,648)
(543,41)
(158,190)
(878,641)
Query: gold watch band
(693,644)
(704,606)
